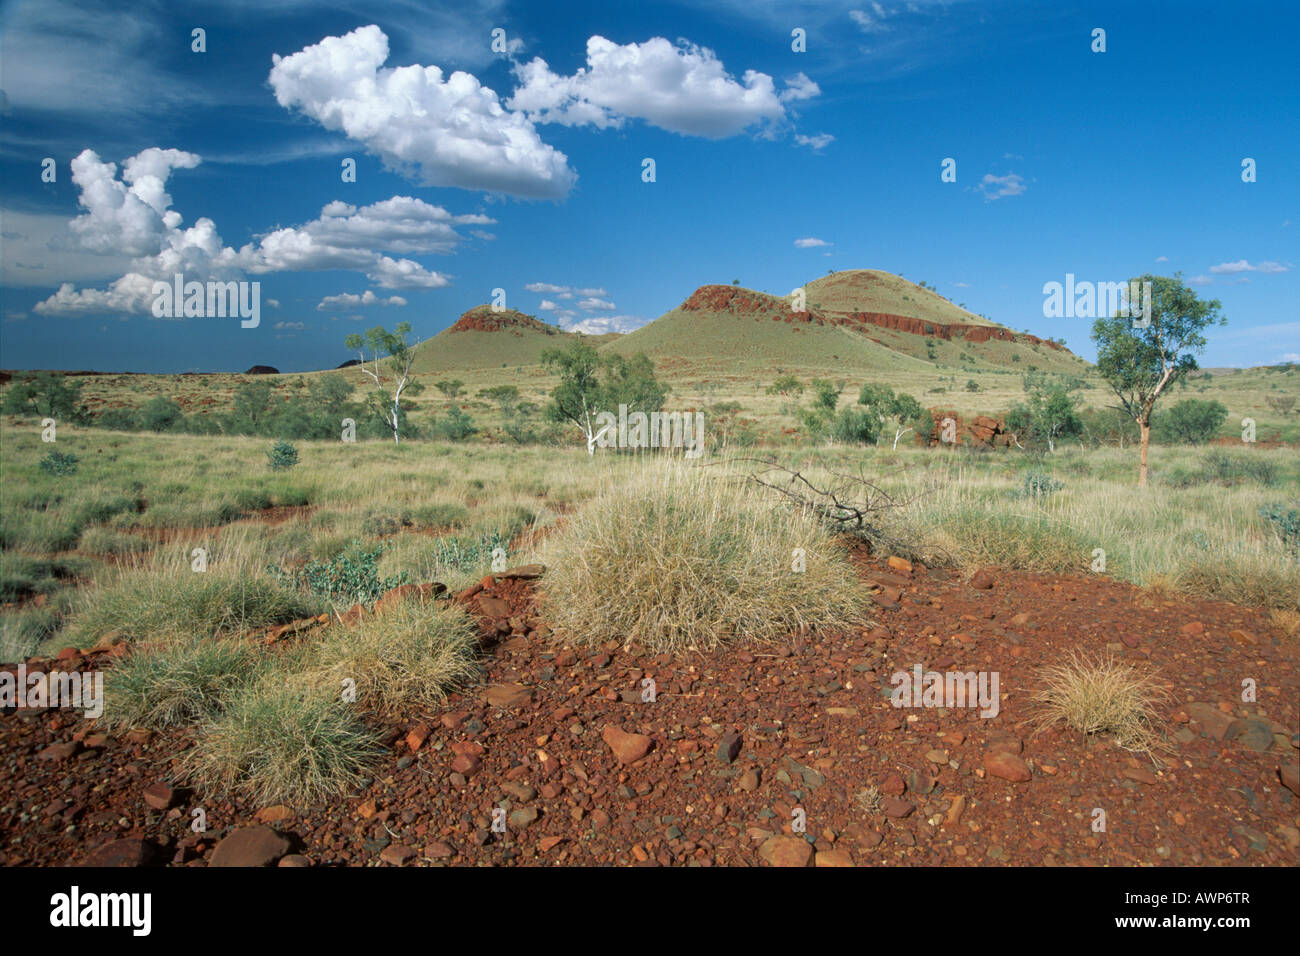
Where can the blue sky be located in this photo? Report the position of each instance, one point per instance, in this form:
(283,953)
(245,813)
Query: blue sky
(522,169)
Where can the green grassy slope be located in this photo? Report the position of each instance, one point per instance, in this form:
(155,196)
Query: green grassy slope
(483,339)
(870,290)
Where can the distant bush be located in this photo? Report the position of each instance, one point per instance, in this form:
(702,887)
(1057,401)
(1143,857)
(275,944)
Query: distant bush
(456,426)
(46,395)
(119,419)
(1038,485)
(59,463)
(1192,421)
(159,414)
(282,456)
(785,385)
(855,426)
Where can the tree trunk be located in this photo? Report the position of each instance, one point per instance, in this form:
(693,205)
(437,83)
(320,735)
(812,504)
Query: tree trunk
(1145,427)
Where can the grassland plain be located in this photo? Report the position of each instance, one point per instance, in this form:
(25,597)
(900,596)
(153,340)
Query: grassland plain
(671,557)
(86,552)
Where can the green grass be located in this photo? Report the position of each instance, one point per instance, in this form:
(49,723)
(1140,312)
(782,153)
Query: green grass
(638,548)
(177,603)
(282,742)
(176,685)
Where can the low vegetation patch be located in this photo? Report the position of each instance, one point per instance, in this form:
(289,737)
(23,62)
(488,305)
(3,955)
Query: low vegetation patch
(1102,696)
(180,603)
(350,577)
(176,685)
(408,658)
(282,741)
(675,557)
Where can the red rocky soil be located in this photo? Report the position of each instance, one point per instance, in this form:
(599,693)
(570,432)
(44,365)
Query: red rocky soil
(559,743)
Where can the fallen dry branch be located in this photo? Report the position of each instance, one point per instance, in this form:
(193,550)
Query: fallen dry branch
(848,503)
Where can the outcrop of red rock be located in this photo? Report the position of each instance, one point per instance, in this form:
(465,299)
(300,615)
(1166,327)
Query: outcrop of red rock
(481,318)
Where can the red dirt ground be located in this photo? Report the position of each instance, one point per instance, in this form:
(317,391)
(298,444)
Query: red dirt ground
(816,730)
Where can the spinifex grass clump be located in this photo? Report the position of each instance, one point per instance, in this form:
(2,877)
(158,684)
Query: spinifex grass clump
(676,557)
(282,741)
(1102,696)
(176,602)
(408,658)
(176,685)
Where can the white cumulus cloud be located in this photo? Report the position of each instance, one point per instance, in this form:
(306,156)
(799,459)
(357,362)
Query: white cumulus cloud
(451,130)
(133,214)
(350,300)
(996,187)
(1242,265)
(680,88)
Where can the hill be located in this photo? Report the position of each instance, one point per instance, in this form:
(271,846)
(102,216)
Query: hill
(484,339)
(853,320)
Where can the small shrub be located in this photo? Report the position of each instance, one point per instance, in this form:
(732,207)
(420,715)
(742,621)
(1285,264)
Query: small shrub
(351,577)
(676,559)
(159,414)
(855,426)
(283,455)
(59,464)
(1286,522)
(1038,486)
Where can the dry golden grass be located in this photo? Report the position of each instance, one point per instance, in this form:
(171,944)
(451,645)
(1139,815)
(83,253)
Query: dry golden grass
(281,741)
(1102,696)
(1286,621)
(677,557)
(407,658)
